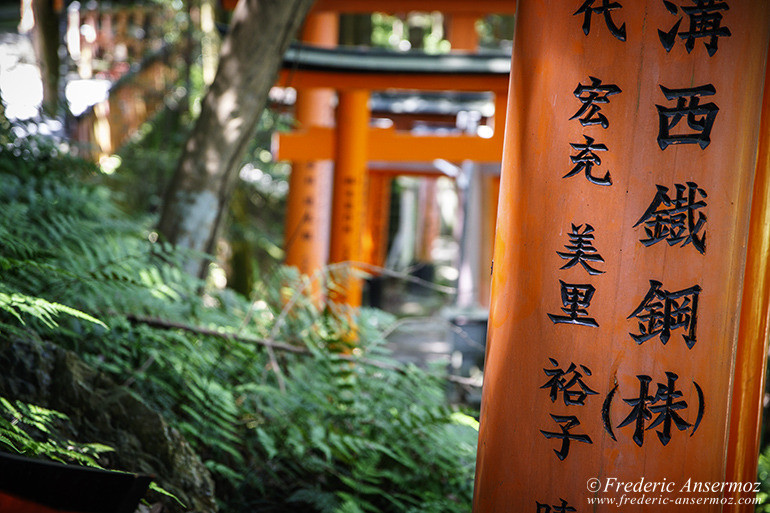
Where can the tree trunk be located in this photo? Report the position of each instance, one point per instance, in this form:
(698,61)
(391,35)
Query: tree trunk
(198,194)
(46,38)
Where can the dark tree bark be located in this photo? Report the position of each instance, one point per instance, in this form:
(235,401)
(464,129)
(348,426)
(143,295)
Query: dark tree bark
(46,42)
(195,202)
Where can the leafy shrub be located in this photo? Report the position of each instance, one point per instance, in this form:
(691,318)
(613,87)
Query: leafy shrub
(302,428)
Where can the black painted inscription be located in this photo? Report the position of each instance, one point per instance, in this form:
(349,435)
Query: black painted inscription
(566,423)
(605,8)
(662,311)
(586,159)
(664,406)
(705,21)
(580,250)
(592,96)
(575,300)
(554,508)
(569,383)
(674,220)
(700,117)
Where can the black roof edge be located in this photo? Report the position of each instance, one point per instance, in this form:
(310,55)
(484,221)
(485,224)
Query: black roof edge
(358,60)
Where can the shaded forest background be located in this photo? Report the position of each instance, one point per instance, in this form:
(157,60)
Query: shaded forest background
(236,397)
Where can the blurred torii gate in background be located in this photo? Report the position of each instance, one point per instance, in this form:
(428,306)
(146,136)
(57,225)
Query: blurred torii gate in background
(308,226)
(353,143)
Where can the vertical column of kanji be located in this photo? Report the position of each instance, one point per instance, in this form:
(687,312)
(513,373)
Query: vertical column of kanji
(631,136)
(684,236)
(308,210)
(348,194)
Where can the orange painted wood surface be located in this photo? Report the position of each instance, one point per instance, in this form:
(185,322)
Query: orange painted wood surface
(749,381)
(661,407)
(377,204)
(462,31)
(308,207)
(13,504)
(395,170)
(490,198)
(389,145)
(348,215)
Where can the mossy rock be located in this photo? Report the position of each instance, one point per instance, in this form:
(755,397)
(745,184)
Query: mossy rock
(99,410)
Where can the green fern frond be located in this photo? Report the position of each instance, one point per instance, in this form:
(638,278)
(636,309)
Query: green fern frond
(21,305)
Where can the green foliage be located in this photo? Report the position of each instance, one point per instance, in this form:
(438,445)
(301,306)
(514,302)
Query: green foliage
(355,438)
(20,305)
(393,32)
(147,162)
(313,432)
(34,431)
(496,31)
(254,228)
(763,476)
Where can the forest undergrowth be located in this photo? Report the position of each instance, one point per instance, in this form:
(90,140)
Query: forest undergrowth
(304,429)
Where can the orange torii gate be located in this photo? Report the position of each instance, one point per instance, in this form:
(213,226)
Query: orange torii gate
(353,143)
(307,226)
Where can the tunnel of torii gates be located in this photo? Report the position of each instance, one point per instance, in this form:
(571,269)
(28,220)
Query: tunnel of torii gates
(629,305)
(339,189)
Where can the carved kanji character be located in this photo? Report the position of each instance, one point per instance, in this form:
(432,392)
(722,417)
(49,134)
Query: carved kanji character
(566,422)
(576,299)
(586,159)
(581,250)
(591,96)
(662,311)
(705,21)
(665,403)
(605,9)
(674,220)
(569,383)
(700,117)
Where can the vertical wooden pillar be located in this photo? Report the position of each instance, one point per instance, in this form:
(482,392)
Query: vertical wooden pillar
(626,189)
(375,240)
(490,193)
(749,383)
(491,196)
(308,210)
(428,221)
(348,192)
